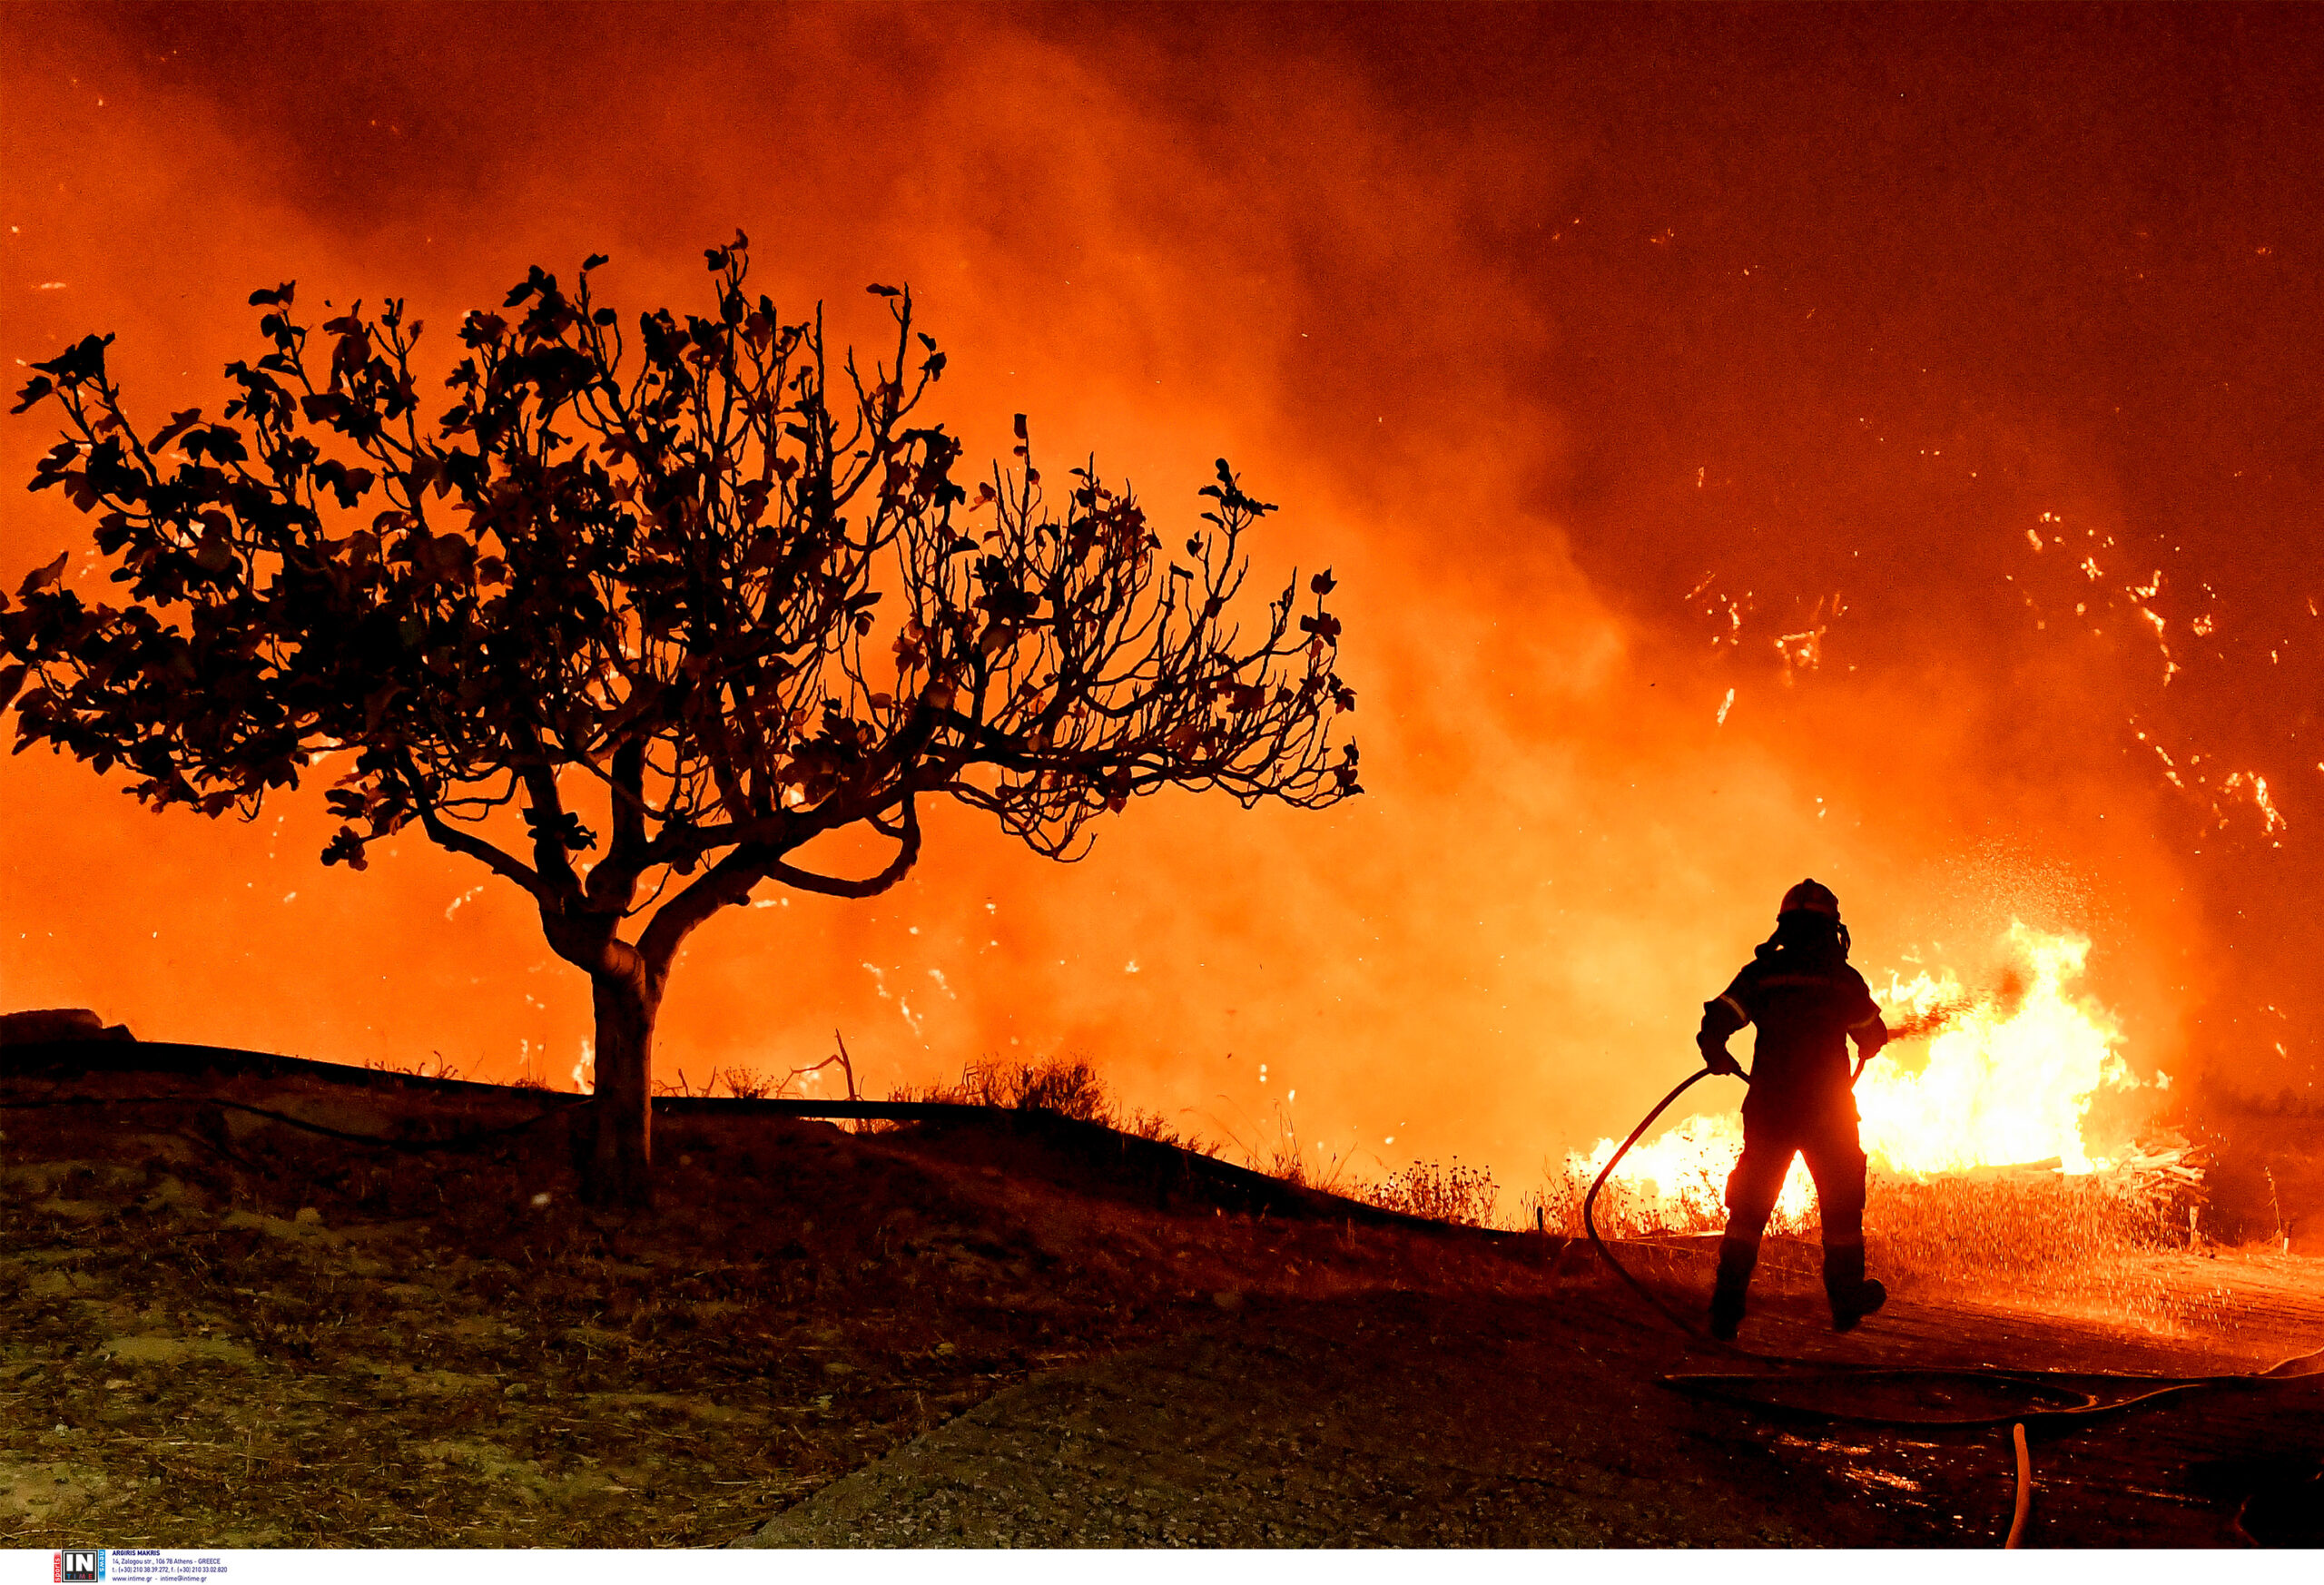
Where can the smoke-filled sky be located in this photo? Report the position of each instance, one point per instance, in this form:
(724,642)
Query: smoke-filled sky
(1747,440)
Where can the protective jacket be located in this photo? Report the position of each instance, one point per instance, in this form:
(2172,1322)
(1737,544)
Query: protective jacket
(1807,1006)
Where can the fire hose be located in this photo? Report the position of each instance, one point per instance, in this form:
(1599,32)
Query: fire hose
(2066,1404)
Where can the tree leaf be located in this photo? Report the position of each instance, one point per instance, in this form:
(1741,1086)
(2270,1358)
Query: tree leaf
(177,424)
(39,578)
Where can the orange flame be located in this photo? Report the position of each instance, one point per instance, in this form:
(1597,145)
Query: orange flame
(2008,1079)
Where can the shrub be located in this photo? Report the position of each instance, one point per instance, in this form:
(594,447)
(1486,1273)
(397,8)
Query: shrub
(1454,1193)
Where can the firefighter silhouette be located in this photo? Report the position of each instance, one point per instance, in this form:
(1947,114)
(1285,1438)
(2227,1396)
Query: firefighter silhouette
(1807,1003)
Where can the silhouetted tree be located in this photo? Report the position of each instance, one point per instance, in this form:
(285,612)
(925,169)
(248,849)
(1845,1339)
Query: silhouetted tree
(646,581)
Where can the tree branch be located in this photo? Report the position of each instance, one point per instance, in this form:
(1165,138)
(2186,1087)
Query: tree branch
(725,883)
(474,847)
(907,855)
(615,881)
(549,852)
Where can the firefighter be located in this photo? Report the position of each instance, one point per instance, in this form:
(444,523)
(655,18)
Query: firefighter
(1808,1003)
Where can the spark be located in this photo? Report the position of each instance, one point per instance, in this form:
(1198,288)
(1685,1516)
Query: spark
(2169,667)
(2271,821)
(1716,604)
(1804,650)
(2169,766)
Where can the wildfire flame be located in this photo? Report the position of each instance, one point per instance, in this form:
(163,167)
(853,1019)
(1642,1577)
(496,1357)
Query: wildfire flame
(2003,1083)
(2009,1078)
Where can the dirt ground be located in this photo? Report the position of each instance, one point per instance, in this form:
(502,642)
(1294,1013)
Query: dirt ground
(1372,1421)
(216,1328)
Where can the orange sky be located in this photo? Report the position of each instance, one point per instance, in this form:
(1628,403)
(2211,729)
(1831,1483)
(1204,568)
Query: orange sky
(1530,321)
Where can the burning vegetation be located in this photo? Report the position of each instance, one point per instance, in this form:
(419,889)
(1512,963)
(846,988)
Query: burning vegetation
(2008,1079)
(2010,1145)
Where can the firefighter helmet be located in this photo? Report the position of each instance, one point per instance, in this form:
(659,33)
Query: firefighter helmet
(1813,896)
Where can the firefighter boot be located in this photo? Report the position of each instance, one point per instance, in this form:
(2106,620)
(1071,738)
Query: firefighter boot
(1853,1294)
(1738,1253)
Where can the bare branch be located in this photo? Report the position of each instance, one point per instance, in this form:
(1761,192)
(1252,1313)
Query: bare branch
(907,855)
(474,847)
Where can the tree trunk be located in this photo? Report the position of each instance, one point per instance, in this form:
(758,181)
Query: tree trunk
(619,1173)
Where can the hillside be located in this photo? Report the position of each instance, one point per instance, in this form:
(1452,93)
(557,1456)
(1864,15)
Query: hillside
(221,1326)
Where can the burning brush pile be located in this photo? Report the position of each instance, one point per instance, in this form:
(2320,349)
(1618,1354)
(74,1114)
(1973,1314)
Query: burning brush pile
(1978,1120)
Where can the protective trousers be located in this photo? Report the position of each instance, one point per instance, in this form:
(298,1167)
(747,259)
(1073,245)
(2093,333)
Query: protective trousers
(1826,1134)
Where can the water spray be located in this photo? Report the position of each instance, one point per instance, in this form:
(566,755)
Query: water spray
(1945,1013)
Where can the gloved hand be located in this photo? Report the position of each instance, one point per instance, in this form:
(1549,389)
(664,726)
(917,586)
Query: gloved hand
(1718,1060)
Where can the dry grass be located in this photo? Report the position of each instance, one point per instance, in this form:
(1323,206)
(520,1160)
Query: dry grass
(1466,1195)
(739,1083)
(2023,1234)
(2015,1233)
(438,1068)
(216,1328)
(1067,1086)
(253,1335)
(1273,1146)
(2072,1242)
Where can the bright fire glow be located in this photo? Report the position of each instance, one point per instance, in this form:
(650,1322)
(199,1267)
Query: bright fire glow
(2002,1083)
(2008,1079)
